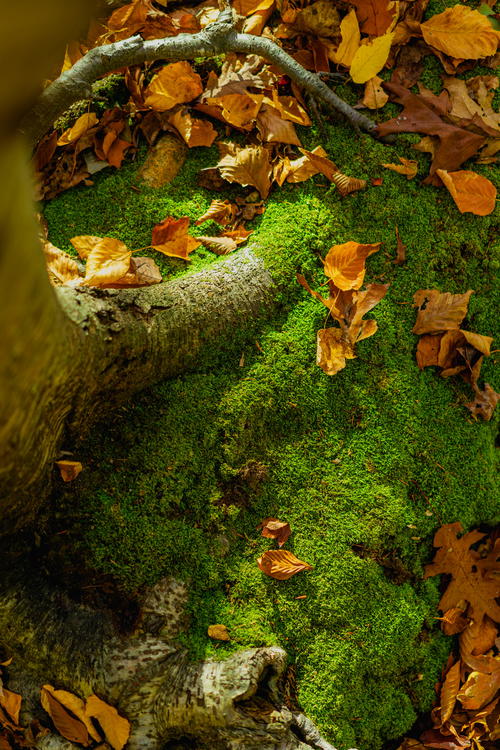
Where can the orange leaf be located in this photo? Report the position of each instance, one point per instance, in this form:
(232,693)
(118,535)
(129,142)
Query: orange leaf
(222,212)
(439,312)
(108,261)
(67,711)
(143,272)
(350,39)
(374,97)
(461,32)
(62,268)
(480,688)
(449,692)
(247,166)
(84,123)
(170,237)
(69,469)
(116,729)
(345,264)
(281,564)
(471,192)
(11,703)
(272,528)
(332,350)
(408,167)
(195,132)
(174,84)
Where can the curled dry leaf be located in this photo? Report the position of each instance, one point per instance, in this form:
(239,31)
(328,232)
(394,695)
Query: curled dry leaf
(439,312)
(222,212)
(345,264)
(400,250)
(176,83)
(485,403)
(61,267)
(471,192)
(195,132)
(67,711)
(115,727)
(408,167)
(449,692)
(332,350)
(170,237)
(84,123)
(219,245)
(218,632)
(69,469)
(273,528)
(370,58)
(480,688)
(247,166)
(281,564)
(462,33)
(346,185)
(453,621)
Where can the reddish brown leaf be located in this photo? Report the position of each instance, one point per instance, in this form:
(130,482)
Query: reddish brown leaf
(375,16)
(485,403)
(170,237)
(67,711)
(281,564)
(272,528)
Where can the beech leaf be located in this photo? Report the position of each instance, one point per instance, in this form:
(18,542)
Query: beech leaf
(439,312)
(247,166)
(370,58)
(84,123)
(461,32)
(449,692)
(332,350)
(11,704)
(471,192)
(107,262)
(115,727)
(176,83)
(67,711)
(345,264)
(350,40)
(375,97)
(273,528)
(281,564)
(170,237)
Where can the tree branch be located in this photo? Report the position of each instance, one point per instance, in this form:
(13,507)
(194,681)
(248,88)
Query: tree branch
(219,37)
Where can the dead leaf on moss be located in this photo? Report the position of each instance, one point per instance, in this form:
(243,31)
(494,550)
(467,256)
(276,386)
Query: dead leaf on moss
(374,97)
(484,403)
(345,264)
(218,632)
(273,528)
(115,727)
(219,245)
(69,469)
(332,350)
(281,564)
(171,238)
(471,192)
(408,167)
(461,32)
(439,312)
(246,166)
(61,267)
(195,132)
(222,212)
(107,261)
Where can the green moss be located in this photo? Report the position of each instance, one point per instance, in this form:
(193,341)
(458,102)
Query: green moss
(365,465)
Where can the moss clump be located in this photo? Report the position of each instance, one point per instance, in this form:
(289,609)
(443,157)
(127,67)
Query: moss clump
(365,465)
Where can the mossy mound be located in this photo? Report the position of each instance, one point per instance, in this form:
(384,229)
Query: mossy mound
(365,465)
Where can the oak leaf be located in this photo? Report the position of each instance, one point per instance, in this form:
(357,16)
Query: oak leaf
(471,192)
(370,58)
(439,312)
(170,237)
(247,166)
(345,264)
(176,83)
(462,33)
(218,633)
(67,711)
(273,528)
(455,558)
(69,469)
(408,167)
(115,727)
(281,564)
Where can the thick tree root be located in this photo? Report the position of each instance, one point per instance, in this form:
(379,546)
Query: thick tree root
(217,38)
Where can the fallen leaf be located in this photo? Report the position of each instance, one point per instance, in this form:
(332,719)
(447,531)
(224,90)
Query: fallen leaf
(238,109)
(69,469)
(170,237)
(195,132)
(332,350)
(374,97)
(454,621)
(62,268)
(239,235)
(142,272)
(485,403)
(273,528)
(222,212)
(408,167)
(400,250)
(439,312)
(247,166)
(449,692)
(176,83)
(84,123)
(107,261)
(281,564)
(67,711)
(370,58)
(11,704)
(219,245)
(461,32)
(115,727)
(375,16)
(350,40)
(480,688)
(477,637)
(471,192)
(346,185)
(319,18)
(274,129)
(218,632)
(345,264)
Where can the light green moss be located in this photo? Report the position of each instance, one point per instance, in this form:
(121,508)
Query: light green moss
(365,465)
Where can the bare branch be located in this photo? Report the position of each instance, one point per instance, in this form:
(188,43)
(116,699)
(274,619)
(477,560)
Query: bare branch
(217,38)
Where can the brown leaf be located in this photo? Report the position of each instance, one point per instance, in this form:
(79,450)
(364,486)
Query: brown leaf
(62,268)
(408,167)
(346,185)
(477,637)
(374,97)
(449,692)
(453,621)
(273,528)
(176,83)
(218,632)
(480,688)
(281,564)
(11,704)
(222,212)
(239,235)
(274,129)
(69,469)
(375,16)
(247,166)
(238,109)
(143,272)
(471,192)
(400,250)
(170,237)
(219,245)
(345,264)
(107,261)
(67,711)
(333,350)
(115,727)
(303,168)
(439,312)
(84,123)
(461,32)
(195,132)
(485,403)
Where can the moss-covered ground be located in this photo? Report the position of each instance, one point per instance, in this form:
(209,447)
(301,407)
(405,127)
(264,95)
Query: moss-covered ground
(364,465)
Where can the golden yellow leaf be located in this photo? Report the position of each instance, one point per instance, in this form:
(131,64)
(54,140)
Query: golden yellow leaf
(289,108)
(67,711)
(11,703)
(374,97)
(115,727)
(84,123)
(248,166)
(449,692)
(238,109)
(248,7)
(370,58)
(345,264)
(281,564)
(195,132)
(84,244)
(170,237)
(142,272)
(223,212)
(462,33)
(62,267)
(176,83)
(408,167)
(480,687)
(332,350)
(303,168)
(218,632)
(349,45)
(69,469)
(107,262)
(471,192)
(274,129)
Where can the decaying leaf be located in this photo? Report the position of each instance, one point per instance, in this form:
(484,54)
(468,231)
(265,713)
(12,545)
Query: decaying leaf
(332,350)
(485,403)
(176,83)
(273,528)
(449,692)
(170,237)
(281,564)
(247,166)
(84,123)
(375,97)
(454,621)
(345,264)
(218,633)
(69,469)
(67,711)
(222,212)
(461,32)
(375,16)
(115,727)
(471,192)
(408,167)
(439,312)
(400,250)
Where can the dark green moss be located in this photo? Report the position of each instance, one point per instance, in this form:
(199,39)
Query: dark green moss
(365,465)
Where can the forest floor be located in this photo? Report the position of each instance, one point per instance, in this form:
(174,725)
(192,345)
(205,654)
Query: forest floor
(365,465)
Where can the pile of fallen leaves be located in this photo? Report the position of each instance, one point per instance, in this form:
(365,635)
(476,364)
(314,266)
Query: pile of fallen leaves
(468,710)
(344,267)
(87,723)
(455,351)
